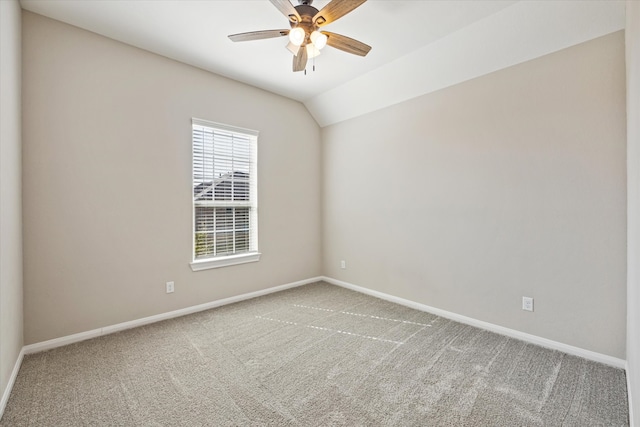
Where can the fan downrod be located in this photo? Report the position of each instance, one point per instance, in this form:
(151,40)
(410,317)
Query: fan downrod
(305,2)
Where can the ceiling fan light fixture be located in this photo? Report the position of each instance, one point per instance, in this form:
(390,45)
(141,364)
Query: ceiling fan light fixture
(297,36)
(312,51)
(305,37)
(293,48)
(318,39)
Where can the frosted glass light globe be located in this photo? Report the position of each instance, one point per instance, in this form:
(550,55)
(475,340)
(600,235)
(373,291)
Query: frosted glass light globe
(318,39)
(296,36)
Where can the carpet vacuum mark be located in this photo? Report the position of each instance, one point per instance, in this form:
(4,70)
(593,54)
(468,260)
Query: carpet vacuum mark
(317,355)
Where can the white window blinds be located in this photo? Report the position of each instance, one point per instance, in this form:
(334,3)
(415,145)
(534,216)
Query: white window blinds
(225,204)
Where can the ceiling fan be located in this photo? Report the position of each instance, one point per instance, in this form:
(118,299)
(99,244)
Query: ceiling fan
(305,38)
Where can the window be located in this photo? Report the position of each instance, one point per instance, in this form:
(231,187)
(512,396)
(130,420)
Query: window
(225,208)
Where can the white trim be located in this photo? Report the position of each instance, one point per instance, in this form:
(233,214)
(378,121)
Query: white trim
(629,397)
(512,333)
(69,339)
(225,261)
(221,126)
(11,382)
(253,196)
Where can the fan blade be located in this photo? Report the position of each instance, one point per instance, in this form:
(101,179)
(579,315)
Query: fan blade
(287,9)
(334,10)
(346,44)
(300,60)
(257,35)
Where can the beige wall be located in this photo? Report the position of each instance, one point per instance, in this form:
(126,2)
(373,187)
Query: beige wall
(107,191)
(633,213)
(466,199)
(10,189)
(508,185)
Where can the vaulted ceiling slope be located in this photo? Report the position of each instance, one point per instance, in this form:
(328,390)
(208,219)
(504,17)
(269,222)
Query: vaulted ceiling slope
(418,46)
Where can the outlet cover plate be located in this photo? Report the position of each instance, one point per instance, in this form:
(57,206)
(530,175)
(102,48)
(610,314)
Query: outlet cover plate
(527,303)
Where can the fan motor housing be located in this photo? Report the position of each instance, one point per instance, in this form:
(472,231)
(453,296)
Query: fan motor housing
(306,13)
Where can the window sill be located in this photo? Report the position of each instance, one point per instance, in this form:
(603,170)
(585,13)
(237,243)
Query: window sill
(225,261)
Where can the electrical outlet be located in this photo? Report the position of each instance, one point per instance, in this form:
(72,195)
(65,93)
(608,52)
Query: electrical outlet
(343,264)
(170,287)
(527,303)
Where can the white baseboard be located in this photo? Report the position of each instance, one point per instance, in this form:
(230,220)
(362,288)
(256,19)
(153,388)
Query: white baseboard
(512,333)
(70,339)
(58,342)
(11,382)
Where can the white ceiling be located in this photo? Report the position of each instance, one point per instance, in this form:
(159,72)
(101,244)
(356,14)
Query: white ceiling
(418,46)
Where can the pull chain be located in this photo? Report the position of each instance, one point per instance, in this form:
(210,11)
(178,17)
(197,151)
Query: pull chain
(313,65)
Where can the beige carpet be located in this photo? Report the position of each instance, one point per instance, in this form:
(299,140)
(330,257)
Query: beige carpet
(318,355)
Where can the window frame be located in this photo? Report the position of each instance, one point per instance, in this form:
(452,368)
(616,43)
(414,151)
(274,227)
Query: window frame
(253,255)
